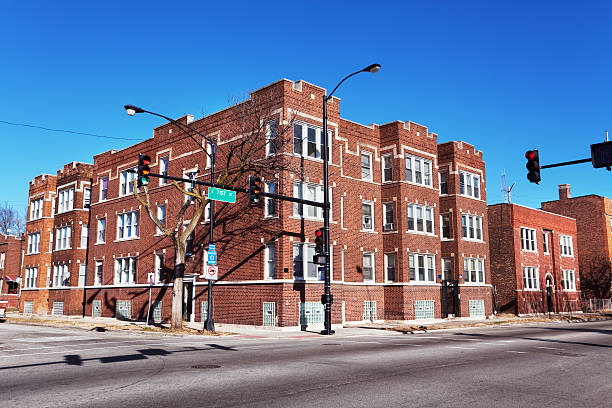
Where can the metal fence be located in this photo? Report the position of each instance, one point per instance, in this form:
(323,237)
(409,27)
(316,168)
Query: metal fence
(596,305)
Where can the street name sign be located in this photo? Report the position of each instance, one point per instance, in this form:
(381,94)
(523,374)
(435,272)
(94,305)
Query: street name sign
(219,194)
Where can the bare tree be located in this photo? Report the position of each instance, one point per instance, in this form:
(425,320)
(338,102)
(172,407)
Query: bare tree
(595,281)
(11,221)
(252,140)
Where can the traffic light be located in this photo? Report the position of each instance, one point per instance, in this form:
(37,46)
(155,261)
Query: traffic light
(319,252)
(254,190)
(533,165)
(143,170)
(601,155)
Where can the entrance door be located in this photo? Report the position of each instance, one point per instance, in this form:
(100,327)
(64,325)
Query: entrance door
(188,301)
(549,297)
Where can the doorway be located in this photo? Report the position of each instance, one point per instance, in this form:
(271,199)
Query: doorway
(549,297)
(188,315)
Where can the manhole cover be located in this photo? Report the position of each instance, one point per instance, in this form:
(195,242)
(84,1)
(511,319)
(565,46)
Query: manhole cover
(205,366)
(566,354)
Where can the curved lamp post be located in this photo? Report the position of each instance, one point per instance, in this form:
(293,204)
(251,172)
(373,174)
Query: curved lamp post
(131,110)
(327,297)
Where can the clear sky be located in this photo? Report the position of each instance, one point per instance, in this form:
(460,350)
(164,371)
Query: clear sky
(504,76)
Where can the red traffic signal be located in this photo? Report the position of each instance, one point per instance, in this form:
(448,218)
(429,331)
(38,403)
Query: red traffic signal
(533,165)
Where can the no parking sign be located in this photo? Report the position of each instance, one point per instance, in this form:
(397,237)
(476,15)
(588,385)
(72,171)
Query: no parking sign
(210,272)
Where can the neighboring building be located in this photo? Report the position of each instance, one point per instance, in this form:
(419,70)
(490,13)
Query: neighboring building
(389,259)
(593,216)
(534,260)
(11,254)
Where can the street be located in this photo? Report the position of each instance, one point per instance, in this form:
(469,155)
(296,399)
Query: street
(537,364)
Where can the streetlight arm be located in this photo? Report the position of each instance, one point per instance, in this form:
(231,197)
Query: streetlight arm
(337,86)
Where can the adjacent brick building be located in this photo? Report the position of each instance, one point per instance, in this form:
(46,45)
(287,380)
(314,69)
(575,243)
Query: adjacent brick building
(593,216)
(407,227)
(534,263)
(11,254)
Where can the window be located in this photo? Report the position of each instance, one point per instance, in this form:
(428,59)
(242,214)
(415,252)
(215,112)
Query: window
(530,278)
(545,241)
(161,215)
(86,197)
(447,269)
(390,267)
(312,192)
(389,216)
(446,226)
(125,270)
(420,219)
(443,178)
(566,246)
(82,274)
(2,258)
(270,258)
(568,282)
(271,133)
(190,186)
(63,237)
(307,141)
(61,274)
(126,182)
(471,227)
(422,267)
(367,216)
(99,270)
(65,200)
(528,239)
(127,225)
(473,270)
(270,203)
(303,267)
(36,207)
(368,266)
(418,170)
(30,277)
(387,167)
(366,166)
(34,243)
(159,267)
(101,229)
(469,184)
(207,211)
(163,170)
(103,188)
(51,241)
(84,235)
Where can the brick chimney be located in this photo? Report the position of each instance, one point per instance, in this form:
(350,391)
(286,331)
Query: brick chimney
(564,191)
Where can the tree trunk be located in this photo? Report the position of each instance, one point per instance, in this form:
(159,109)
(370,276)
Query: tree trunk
(177,288)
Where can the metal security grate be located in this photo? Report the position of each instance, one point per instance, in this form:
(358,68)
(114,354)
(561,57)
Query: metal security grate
(96,308)
(477,308)
(423,309)
(58,309)
(157,311)
(369,310)
(204,310)
(311,313)
(123,309)
(269,314)
(28,307)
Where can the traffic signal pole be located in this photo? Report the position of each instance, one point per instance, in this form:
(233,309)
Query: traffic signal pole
(209,323)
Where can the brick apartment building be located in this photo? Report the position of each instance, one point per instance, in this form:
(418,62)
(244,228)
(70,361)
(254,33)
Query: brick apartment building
(534,263)
(408,217)
(11,254)
(593,216)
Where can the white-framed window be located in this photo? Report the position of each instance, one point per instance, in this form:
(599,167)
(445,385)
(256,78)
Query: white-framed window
(387,167)
(418,170)
(270,203)
(312,192)
(469,184)
(471,227)
(127,225)
(422,267)
(368,267)
(567,248)
(303,267)
(163,170)
(61,275)
(84,235)
(446,230)
(270,259)
(528,240)
(103,188)
(473,270)
(390,266)
(161,216)
(367,216)
(65,200)
(366,165)
(51,241)
(190,186)
(420,219)
(30,277)
(531,280)
(125,270)
(86,197)
(2,259)
(209,150)
(207,208)
(159,266)
(36,209)
(568,281)
(389,216)
(101,230)
(546,242)
(271,134)
(99,271)
(443,180)
(34,243)
(447,269)
(127,180)
(307,140)
(63,237)
(82,274)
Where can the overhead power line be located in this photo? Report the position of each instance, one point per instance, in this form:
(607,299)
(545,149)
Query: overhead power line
(66,131)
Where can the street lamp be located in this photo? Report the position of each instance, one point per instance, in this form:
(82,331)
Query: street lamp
(131,110)
(327,297)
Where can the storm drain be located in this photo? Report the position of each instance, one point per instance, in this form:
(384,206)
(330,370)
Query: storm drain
(205,366)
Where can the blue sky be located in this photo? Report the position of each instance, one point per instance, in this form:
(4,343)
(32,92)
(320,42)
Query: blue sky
(504,76)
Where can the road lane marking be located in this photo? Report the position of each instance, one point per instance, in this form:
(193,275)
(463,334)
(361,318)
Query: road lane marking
(549,348)
(517,352)
(462,348)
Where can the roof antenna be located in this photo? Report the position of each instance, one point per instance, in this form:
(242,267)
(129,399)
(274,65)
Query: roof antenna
(505,189)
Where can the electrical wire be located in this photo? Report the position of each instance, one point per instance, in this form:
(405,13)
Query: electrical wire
(66,131)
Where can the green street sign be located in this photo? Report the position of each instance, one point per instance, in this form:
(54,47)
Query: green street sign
(219,194)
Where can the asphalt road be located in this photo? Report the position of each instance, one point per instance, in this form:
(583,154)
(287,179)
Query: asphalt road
(536,365)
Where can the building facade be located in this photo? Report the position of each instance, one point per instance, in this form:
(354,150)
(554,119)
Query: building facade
(534,260)
(408,216)
(11,255)
(593,216)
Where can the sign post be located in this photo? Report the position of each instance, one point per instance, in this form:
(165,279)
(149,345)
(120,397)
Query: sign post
(151,280)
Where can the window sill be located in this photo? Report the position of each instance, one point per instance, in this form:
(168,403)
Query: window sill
(473,240)
(414,183)
(421,233)
(390,232)
(126,239)
(529,250)
(423,283)
(368,231)
(100,243)
(469,196)
(569,290)
(314,159)
(293,217)
(61,249)
(531,290)
(568,256)
(447,239)
(270,217)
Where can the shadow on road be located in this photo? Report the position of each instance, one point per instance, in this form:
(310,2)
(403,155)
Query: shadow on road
(581,343)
